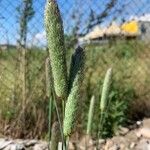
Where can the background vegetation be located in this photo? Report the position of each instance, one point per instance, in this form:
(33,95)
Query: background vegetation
(129,97)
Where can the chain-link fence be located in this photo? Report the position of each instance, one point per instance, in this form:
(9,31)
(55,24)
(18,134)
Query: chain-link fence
(115,34)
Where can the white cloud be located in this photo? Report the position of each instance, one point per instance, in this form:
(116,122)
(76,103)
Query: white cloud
(40,39)
(145,17)
(40,36)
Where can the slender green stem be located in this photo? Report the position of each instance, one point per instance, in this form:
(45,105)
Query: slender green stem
(50,120)
(63,112)
(59,120)
(102,120)
(100,128)
(67,143)
(63,108)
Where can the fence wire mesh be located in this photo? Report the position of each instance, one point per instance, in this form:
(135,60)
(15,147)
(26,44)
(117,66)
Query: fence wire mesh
(115,34)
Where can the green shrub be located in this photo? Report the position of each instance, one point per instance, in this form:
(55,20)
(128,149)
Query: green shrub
(117,113)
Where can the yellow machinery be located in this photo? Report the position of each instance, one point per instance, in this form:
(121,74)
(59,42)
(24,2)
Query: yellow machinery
(130,28)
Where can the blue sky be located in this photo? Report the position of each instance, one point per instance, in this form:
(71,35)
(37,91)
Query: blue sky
(8,15)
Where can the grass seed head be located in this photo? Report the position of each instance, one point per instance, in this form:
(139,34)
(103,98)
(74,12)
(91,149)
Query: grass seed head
(56,46)
(76,79)
(105,89)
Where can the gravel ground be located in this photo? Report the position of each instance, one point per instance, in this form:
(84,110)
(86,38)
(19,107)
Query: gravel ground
(136,137)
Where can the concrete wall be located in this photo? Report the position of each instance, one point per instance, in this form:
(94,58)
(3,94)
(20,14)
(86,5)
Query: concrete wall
(145,30)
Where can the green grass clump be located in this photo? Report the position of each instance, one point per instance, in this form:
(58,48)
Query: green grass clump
(55,38)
